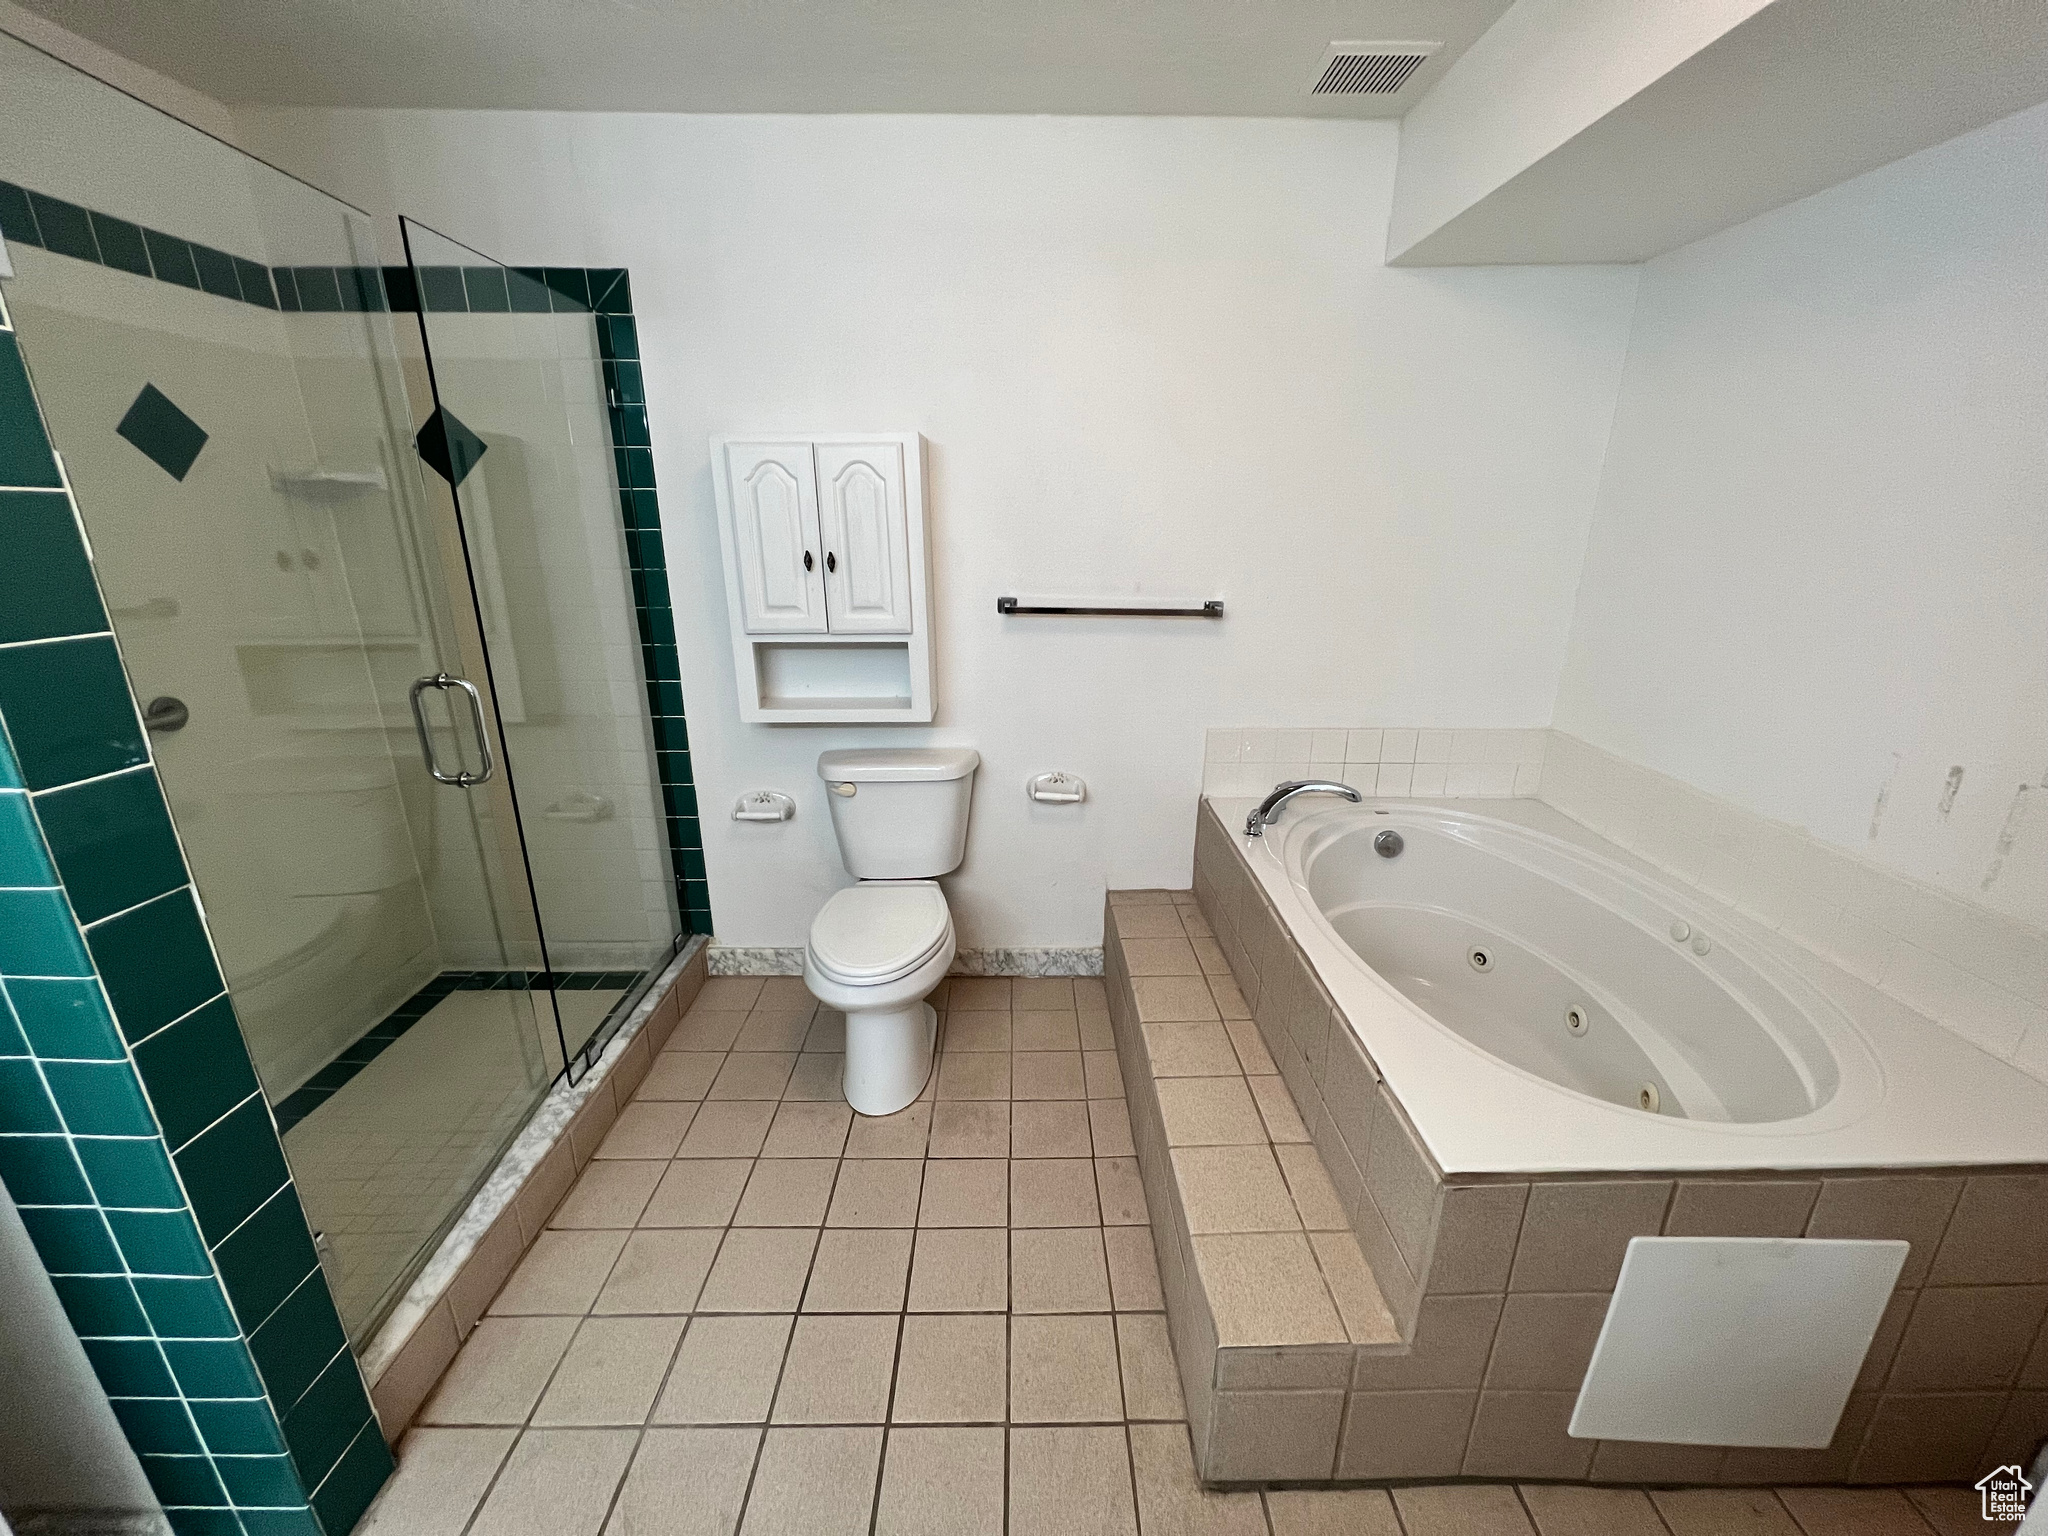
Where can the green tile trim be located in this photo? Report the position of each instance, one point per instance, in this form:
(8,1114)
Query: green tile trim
(133,1137)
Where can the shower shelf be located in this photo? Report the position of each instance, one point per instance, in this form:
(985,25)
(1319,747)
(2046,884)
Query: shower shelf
(327,484)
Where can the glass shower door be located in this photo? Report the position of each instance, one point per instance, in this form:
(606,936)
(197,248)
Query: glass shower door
(522,436)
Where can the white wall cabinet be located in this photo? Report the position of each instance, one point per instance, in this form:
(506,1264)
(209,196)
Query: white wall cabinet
(826,577)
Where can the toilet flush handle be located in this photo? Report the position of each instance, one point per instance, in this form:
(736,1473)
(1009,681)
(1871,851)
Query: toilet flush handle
(846,791)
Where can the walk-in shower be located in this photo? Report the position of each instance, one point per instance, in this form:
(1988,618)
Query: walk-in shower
(388,583)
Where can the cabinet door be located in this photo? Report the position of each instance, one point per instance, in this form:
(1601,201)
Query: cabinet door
(775,537)
(867,538)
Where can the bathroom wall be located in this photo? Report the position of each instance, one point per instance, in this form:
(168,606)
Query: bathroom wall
(1815,583)
(1149,354)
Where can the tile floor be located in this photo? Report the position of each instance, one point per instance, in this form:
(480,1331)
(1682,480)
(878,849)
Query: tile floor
(754,1313)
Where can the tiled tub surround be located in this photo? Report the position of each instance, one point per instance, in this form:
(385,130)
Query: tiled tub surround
(1499,1283)
(1375,760)
(133,1134)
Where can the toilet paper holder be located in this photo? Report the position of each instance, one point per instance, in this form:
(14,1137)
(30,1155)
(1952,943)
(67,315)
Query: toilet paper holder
(1056,789)
(763,805)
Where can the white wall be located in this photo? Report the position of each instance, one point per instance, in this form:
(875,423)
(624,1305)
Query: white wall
(1818,574)
(1157,354)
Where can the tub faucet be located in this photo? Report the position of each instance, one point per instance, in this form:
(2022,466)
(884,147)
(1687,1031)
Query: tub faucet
(1270,807)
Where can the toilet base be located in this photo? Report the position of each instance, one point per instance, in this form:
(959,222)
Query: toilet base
(889,1056)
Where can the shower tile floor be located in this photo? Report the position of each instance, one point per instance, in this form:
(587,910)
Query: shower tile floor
(384,1162)
(756,1313)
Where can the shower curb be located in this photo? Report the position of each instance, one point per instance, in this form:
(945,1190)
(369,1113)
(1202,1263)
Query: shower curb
(416,1343)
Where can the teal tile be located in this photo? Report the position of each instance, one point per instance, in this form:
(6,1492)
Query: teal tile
(71,1239)
(183,1479)
(65,1017)
(186,1308)
(113,842)
(161,431)
(37,935)
(172,258)
(265,1258)
(158,1425)
(10,771)
(17,219)
(40,1170)
(12,1041)
(238,1426)
(130,1171)
(213,1367)
(68,711)
(260,1480)
(99,1098)
(284,1522)
(25,1107)
(121,244)
(65,227)
(196,1071)
(23,858)
(156,963)
(46,583)
(25,457)
(363,1469)
(323,1422)
(231,1168)
(100,1305)
(296,1342)
(130,1367)
(204,1520)
(161,1243)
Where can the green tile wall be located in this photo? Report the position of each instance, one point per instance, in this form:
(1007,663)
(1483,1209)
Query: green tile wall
(133,1135)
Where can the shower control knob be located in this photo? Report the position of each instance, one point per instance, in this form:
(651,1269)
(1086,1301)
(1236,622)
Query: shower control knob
(1681,930)
(164,713)
(1701,944)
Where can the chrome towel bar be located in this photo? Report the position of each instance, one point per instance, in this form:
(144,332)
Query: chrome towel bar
(1211,608)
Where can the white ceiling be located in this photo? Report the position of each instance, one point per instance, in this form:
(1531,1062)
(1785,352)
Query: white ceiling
(1240,58)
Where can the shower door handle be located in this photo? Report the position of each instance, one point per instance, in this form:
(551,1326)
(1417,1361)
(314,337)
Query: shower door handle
(462,778)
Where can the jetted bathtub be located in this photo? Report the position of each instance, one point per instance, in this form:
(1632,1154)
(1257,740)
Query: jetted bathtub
(1540,1001)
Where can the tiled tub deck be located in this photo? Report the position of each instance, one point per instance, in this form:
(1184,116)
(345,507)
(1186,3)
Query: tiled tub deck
(1493,1289)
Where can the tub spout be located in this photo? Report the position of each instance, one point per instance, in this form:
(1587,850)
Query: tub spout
(1270,807)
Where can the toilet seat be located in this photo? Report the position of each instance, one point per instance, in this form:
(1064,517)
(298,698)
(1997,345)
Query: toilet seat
(874,933)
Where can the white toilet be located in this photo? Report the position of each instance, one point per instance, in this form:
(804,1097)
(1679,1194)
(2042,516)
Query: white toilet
(879,947)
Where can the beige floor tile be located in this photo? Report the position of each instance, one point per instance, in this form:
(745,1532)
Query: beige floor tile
(828,1032)
(759,1269)
(814,1482)
(1276,1107)
(557,1482)
(1053,1192)
(1096,1031)
(679,1075)
(1266,1288)
(726,1370)
(1151,1380)
(561,1273)
(902,1134)
(1190,1049)
(1071,1482)
(970,1130)
(1353,1287)
(1315,1197)
(1171,1497)
(953,1369)
(735,1128)
(753,1075)
(500,1371)
(972,992)
(1160,922)
(614,1368)
(859,1269)
(1104,1074)
(1058,1269)
(820,1077)
(941,1482)
(727,993)
(1109,1124)
(1174,1000)
(698,1192)
(441,1477)
(659,1270)
(774,1030)
(608,1194)
(1209,1112)
(1063,1370)
(876,1192)
(807,1129)
(686,1482)
(977,1031)
(965,1192)
(1121,1192)
(1133,1269)
(647,1129)
(1723,1512)
(785,992)
(1954,1511)
(1032,993)
(1471,1510)
(1332,1512)
(1047,1075)
(1852,1512)
(1562,1510)
(960,1269)
(1050,1128)
(706,1030)
(1161,957)
(1233,1189)
(787,1192)
(1041,1030)
(974,1075)
(838,1371)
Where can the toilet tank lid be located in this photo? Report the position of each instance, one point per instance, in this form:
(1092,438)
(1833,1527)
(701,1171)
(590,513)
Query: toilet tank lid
(897,765)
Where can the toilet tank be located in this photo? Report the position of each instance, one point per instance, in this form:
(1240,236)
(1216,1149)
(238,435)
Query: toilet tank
(900,813)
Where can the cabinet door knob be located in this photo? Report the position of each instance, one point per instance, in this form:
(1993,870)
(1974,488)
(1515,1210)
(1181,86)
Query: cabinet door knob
(807,560)
(831,561)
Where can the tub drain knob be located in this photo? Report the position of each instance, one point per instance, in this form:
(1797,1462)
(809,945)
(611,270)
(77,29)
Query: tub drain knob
(1388,844)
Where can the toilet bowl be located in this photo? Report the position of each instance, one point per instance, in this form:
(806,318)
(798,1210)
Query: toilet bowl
(879,947)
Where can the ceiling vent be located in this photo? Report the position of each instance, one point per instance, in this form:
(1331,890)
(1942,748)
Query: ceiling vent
(1369,69)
